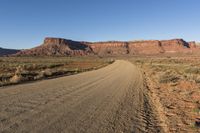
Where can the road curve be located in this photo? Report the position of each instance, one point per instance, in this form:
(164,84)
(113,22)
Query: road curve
(109,100)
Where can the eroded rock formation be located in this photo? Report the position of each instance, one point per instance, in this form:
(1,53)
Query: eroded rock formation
(63,47)
(58,47)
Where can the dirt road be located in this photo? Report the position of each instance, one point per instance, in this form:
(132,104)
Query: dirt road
(111,99)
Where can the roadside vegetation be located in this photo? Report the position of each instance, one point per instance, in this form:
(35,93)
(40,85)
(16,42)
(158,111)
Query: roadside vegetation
(174,82)
(14,70)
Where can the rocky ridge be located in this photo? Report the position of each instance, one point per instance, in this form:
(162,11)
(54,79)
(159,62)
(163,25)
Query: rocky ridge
(5,52)
(64,47)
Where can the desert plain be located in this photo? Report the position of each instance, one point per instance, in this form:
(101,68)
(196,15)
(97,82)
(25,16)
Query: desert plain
(120,87)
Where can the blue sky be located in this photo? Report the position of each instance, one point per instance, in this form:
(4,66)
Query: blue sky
(25,23)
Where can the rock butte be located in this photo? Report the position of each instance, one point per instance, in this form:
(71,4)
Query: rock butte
(64,47)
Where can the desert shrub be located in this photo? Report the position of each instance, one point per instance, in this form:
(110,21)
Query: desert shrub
(159,68)
(19,70)
(197,79)
(111,61)
(191,77)
(5,77)
(54,65)
(47,72)
(58,72)
(168,77)
(193,70)
(30,67)
(40,75)
(139,61)
(16,79)
(28,75)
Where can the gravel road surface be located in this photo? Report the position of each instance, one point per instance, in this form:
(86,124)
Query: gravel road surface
(109,100)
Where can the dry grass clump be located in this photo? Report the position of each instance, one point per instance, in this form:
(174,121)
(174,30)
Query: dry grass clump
(15,70)
(197,79)
(16,79)
(193,70)
(168,77)
(158,68)
(47,72)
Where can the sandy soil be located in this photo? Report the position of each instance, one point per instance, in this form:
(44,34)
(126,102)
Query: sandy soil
(174,90)
(111,99)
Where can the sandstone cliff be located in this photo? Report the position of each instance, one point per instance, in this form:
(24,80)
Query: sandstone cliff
(58,47)
(63,47)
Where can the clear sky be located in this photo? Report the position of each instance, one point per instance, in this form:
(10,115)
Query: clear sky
(25,23)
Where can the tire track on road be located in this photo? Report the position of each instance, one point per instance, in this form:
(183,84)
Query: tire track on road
(111,99)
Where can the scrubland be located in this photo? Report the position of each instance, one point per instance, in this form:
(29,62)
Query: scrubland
(174,86)
(14,70)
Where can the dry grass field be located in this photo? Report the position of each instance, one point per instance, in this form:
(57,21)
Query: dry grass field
(174,86)
(15,70)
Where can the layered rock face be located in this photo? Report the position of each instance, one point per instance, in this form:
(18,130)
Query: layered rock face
(63,47)
(145,47)
(148,47)
(5,52)
(111,48)
(176,45)
(121,48)
(58,47)
(193,45)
